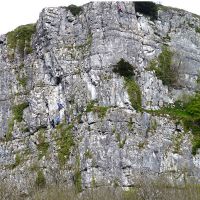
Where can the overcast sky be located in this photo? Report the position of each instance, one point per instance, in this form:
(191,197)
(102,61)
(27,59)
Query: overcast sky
(18,12)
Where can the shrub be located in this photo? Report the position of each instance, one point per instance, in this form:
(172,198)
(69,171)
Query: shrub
(126,70)
(147,8)
(18,111)
(197,29)
(75,10)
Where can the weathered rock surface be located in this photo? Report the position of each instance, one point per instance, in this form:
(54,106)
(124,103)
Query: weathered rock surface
(72,63)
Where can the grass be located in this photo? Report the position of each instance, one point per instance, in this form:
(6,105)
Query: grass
(130,124)
(134,93)
(22,81)
(164,68)
(145,189)
(42,145)
(18,111)
(100,110)
(21,66)
(34,167)
(153,125)
(40,179)
(65,142)
(17,161)
(18,116)
(177,141)
(87,43)
(90,106)
(77,176)
(141,145)
(20,38)
(88,154)
(121,142)
(10,129)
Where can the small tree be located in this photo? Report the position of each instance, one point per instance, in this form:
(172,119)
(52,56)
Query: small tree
(147,8)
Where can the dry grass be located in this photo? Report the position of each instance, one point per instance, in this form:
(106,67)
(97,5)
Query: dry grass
(144,190)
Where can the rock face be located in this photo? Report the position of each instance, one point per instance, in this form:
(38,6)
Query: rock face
(101,138)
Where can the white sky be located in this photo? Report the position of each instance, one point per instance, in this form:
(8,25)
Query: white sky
(14,13)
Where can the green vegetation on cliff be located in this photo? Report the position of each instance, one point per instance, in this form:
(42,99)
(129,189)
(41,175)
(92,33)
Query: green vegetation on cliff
(134,93)
(65,142)
(18,111)
(100,110)
(10,129)
(188,112)
(40,179)
(126,70)
(42,145)
(20,38)
(75,10)
(147,8)
(164,68)
(77,175)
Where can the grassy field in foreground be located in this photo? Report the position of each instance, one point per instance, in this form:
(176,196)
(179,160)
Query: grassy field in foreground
(145,190)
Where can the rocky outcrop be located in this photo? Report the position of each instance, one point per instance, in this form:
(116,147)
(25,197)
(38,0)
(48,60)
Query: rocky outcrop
(101,138)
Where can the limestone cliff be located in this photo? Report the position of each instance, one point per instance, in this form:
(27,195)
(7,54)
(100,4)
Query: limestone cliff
(108,129)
